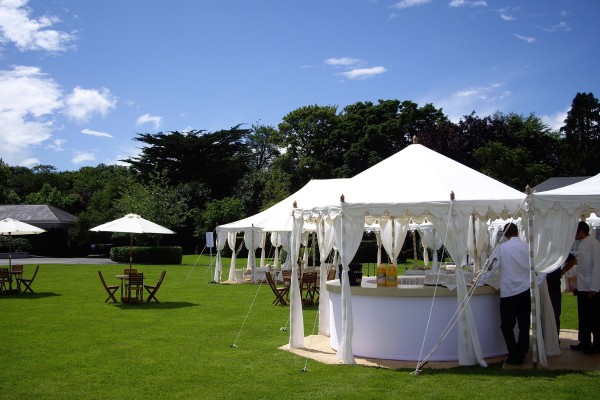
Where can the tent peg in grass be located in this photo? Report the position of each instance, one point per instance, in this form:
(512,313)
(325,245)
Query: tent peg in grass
(305,369)
(283,329)
(233,346)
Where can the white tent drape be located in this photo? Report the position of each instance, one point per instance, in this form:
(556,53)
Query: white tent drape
(285,245)
(349,229)
(477,240)
(393,232)
(430,239)
(453,228)
(252,239)
(262,245)
(276,243)
(231,237)
(296,320)
(305,236)
(221,240)
(325,236)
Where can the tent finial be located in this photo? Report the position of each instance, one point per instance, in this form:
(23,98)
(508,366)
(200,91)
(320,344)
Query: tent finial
(342,198)
(295,205)
(415,139)
(528,190)
(452,195)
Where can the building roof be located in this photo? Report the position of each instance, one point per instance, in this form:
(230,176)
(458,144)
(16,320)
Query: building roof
(558,182)
(40,215)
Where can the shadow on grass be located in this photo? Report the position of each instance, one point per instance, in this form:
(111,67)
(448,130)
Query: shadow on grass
(29,296)
(157,306)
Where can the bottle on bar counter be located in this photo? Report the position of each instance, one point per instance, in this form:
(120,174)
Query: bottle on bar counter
(381,275)
(391,275)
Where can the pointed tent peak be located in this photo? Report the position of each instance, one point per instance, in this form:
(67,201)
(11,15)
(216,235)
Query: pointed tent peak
(415,139)
(342,198)
(528,190)
(452,196)
(295,204)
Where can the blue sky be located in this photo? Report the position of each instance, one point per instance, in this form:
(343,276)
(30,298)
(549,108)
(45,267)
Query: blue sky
(80,78)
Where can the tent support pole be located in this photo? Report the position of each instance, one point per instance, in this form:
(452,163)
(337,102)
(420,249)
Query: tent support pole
(532,283)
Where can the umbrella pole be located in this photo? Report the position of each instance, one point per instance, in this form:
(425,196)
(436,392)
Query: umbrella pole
(130,249)
(9,252)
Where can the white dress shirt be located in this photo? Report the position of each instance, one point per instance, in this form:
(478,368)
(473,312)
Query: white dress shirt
(588,265)
(512,260)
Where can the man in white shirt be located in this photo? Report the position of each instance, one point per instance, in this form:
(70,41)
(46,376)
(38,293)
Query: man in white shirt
(511,258)
(588,285)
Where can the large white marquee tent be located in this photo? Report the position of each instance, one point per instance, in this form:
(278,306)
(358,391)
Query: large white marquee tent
(413,186)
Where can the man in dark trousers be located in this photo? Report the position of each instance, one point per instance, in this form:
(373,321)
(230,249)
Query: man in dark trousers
(588,285)
(511,258)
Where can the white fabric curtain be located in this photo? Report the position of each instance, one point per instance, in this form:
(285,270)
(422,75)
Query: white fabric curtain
(296,318)
(305,236)
(430,239)
(349,229)
(231,236)
(379,244)
(252,239)
(453,228)
(276,243)
(285,245)
(325,236)
(221,240)
(553,236)
(477,240)
(393,232)
(262,245)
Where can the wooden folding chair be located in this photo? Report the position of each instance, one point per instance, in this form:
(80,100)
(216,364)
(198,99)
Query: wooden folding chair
(134,289)
(111,290)
(153,289)
(4,280)
(279,292)
(26,283)
(17,272)
(309,289)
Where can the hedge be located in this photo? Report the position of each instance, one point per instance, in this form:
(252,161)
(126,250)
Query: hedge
(148,255)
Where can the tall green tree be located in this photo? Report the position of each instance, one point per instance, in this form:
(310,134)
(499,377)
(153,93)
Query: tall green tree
(305,135)
(582,136)
(219,159)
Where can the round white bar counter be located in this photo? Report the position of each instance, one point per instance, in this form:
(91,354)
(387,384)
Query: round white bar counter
(390,322)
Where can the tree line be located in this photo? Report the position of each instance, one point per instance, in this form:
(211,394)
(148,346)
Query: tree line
(192,181)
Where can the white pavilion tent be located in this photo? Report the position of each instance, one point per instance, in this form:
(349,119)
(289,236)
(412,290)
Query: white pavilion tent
(414,184)
(277,219)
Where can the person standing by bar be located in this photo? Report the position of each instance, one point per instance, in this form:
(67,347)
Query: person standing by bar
(588,285)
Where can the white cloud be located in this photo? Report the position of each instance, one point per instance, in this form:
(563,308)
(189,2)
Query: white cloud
(82,104)
(561,26)
(364,73)
(556,120)
(507,17)
(26,33)
(82,156)
(410,3)
(484,100)
(526,39)
(343,61)
(149,119)
(56,145)
(28,98)
(96,133)
(29,162)
(468,3)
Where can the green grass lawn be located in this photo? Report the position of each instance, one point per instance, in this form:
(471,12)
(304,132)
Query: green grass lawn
(64,343)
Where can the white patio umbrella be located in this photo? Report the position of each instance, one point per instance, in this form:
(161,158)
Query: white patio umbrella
(131,223)
(13,227)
